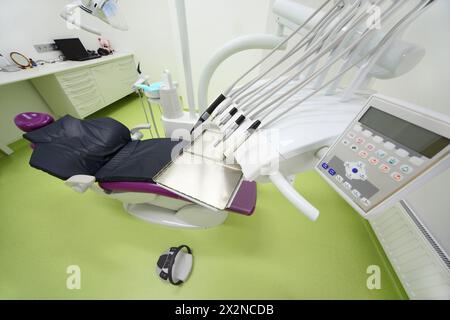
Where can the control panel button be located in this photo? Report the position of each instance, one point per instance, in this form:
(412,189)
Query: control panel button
(339,179)
(378,139)
(389,146)
(332,172)
(354,170)
(356,193)
(325,165)
(345,142)
(363,154)
(385,168)
(347,185)
(360,140)
(351,135)
(406,169)
(367,133)
(354,148)
(402,153)
(416,161)
(381,154)
(365,202)
(370,147)
(397,176)
(393,161)
(357,128)
(374,161)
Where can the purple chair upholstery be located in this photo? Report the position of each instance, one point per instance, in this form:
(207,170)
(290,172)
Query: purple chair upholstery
(244,202)
(30,121)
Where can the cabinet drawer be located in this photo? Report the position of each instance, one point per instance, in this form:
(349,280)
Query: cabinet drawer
(73,75)
(126,68)
(112,82)
(79,84)
(85,96)
(87,108)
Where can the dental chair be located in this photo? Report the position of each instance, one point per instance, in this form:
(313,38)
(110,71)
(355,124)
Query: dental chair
(105,156)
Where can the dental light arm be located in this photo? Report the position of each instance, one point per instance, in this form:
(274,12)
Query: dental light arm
(105,10)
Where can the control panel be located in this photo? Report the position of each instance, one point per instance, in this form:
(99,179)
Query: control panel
(387,150)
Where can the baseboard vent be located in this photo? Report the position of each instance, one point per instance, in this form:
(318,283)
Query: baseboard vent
(419,262)
(426,234)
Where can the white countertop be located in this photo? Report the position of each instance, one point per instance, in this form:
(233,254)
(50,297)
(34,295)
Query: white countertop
(46,69)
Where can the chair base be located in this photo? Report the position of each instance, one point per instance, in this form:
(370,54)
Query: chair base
(189,217)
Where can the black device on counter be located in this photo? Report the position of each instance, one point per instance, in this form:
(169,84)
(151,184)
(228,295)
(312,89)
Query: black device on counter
(73,49)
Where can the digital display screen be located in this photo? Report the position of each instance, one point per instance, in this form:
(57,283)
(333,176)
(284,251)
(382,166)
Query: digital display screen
(420,140)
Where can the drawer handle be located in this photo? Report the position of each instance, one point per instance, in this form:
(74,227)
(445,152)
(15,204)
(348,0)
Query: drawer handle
(87,107)
(74,77)
(81,90)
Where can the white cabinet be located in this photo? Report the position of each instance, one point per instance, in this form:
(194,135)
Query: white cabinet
(85,90)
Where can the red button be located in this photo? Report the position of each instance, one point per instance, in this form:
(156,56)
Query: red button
(363,154)
(397,176)
(374,161)
(360,140)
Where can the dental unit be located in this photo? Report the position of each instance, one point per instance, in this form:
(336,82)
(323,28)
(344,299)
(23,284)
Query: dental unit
(289,118)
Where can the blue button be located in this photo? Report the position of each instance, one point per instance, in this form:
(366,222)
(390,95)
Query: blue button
(325,166)
(354,170)
(332,172)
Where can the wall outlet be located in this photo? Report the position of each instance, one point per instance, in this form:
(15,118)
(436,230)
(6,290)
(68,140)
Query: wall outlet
(41,48)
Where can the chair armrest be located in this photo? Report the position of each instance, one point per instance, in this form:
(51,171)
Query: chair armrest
(136,133)
(80,183)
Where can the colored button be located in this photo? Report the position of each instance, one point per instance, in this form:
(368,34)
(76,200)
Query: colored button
(354,170)
(384,168)
(370,147)
(381,154)
(332,172)
(402,153)
(389,146)
(367,133)
(397,176)
(406,169)
(363,154)
(378,139)
(354,148)
(345,142)
(356,193)
(393,161)
(351,135)
(347,185)
(365,202)
(357,128)
(416,161)
(360,140)
(325,165)
(374,161)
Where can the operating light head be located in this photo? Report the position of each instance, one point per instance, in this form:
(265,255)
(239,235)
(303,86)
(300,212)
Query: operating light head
(105,10)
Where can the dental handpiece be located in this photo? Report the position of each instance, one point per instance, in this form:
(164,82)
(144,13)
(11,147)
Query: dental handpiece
(230,130)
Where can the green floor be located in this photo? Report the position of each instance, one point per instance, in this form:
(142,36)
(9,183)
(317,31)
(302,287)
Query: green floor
(275,254)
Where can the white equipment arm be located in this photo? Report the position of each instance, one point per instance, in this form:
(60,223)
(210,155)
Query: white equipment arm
(293,196)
